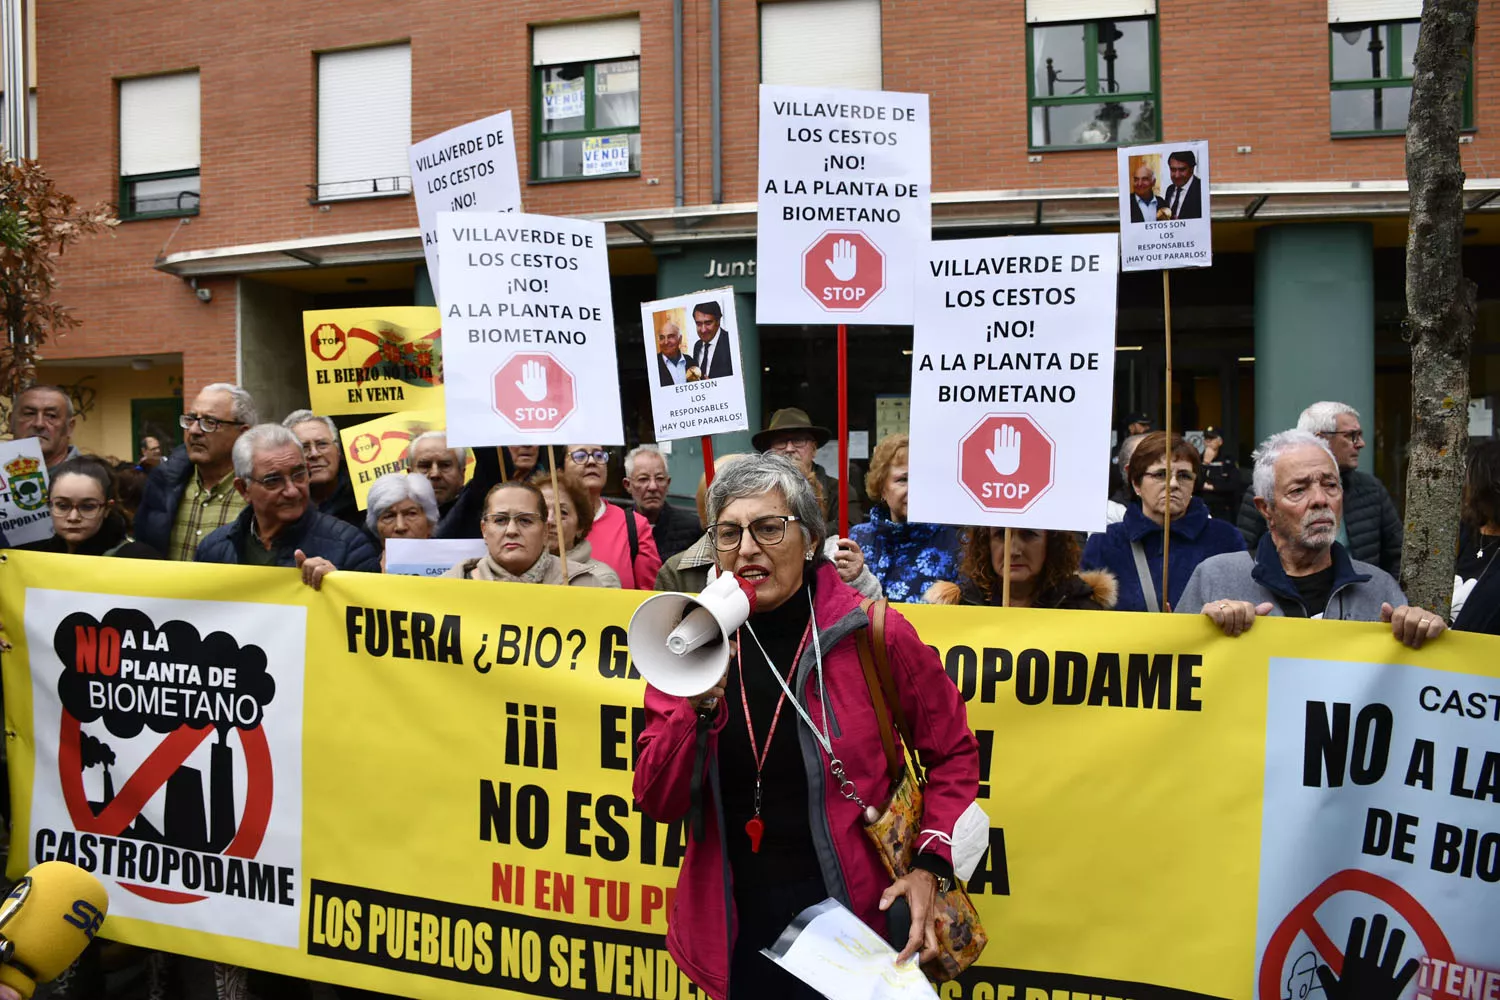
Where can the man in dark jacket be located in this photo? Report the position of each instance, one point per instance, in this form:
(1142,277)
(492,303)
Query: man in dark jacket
(327,478)
(646,480)
(1370,528)
(191,494)
(459,503)
(280,527)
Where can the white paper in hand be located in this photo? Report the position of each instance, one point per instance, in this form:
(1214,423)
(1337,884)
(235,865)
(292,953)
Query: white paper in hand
(837,954)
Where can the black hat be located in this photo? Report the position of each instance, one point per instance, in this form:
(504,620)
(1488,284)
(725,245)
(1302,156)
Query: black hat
(1140,418)
(1212,432)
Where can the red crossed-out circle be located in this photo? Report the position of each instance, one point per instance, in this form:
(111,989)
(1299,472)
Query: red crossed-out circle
(1303,919)
(543,376)
(151,776)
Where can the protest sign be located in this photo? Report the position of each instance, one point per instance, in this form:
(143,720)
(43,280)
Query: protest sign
(533,342)
(1012,379)
(1164,210)
(471,168)
(844,204)
(24,491)
(693,364)
(1153,830)
(378,447)
(373,360)
(429,556)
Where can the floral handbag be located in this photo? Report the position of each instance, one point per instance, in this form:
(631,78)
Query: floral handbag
(960,935)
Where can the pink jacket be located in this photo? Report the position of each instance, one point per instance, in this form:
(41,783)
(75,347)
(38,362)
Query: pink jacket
(851,867)
(611,544)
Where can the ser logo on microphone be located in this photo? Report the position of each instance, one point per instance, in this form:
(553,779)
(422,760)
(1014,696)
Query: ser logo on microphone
(86,917)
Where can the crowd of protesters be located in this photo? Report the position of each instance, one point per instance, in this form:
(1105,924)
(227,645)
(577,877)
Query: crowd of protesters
(1304,533)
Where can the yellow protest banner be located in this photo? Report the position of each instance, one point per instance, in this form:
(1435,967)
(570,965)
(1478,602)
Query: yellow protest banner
(377,447)
(422,787)
(373,360)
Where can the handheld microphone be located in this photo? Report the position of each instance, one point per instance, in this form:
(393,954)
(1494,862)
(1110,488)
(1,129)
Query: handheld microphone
(45,923)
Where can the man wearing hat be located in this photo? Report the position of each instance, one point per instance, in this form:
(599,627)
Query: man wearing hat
(793,434)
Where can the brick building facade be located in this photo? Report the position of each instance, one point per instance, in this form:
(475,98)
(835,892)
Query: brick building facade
(1266,84)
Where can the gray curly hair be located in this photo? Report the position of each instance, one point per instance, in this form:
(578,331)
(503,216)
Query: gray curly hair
(757,475)
(1272,448)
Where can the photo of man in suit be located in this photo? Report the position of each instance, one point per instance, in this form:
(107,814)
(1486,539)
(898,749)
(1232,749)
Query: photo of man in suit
(1184,195)
(1145,206)
(672,366)
(713,354)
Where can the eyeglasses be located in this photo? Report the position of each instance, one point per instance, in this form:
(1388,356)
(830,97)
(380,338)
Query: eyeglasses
(581,456)
(644,480)
(1356,436)
(317,446)
(768,530)
(276,482)
(209,424)
(1159,476)
(796,441)
(88,508)
(523,522)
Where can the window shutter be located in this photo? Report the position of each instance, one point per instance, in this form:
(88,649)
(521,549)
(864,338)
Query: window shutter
(591,41)
(821,43)
(1038,11)
(364,121)
(159,124)
(1362,11)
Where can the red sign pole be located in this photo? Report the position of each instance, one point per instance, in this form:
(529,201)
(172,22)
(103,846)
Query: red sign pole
(843,469)
(708,461)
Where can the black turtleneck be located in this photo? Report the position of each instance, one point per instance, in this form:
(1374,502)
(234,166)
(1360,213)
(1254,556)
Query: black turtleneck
(786,852)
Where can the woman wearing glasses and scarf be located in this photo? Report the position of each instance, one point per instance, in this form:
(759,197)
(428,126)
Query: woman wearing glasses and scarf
(773,755)
(85,520)
(626,546)
(514,526)
(1131,549)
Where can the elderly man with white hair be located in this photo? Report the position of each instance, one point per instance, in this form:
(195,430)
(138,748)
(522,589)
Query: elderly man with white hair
(327,479)
(1370,528)
(1299,569)
(460,504)
(280,526)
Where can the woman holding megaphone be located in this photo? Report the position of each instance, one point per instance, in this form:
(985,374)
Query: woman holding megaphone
(791,722)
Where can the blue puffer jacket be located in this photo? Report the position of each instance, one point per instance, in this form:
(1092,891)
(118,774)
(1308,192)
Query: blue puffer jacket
(344,545)
(163,492)
(1195,537)
(907,558)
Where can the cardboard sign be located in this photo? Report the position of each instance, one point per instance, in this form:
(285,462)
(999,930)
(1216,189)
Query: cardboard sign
(378,447)
(693,364)
(373,360)
(1164,211)
(429,556)
(471,168)
(533,346)
(1012,378)
(844,204)
(24,491)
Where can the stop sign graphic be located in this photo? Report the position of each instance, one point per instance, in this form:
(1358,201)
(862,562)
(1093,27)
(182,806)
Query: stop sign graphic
(1005,462)
(843,271)
(534,392)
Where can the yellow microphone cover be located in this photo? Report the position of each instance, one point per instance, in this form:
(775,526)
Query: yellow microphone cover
(49,918)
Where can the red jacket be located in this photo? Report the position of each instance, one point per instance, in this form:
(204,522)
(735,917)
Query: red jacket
(851,868)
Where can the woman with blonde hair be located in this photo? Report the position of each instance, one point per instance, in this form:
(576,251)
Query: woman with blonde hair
(906,557)
(569,518)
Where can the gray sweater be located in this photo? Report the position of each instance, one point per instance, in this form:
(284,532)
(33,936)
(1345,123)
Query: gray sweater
(1359,588)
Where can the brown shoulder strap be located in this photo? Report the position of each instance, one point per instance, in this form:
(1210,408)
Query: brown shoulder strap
(874,682)
(877,612)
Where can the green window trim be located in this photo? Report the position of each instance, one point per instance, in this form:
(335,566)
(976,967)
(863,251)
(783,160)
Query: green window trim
(1092,93)
(1394,64)
(540,137)
(127,185)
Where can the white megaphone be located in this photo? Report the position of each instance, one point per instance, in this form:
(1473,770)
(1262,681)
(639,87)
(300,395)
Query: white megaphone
(680,642)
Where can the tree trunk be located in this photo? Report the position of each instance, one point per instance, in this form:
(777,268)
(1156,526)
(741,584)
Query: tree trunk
(1440,303)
